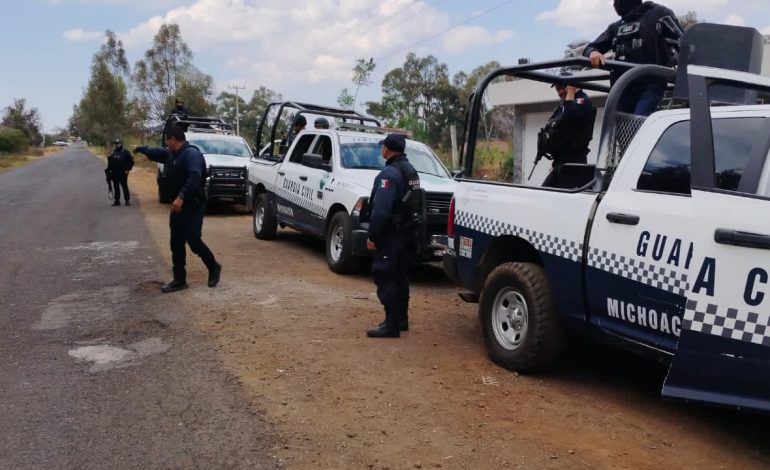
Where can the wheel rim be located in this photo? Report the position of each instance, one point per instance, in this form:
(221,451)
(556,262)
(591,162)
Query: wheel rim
(336,242)
(510,318)
(259,218)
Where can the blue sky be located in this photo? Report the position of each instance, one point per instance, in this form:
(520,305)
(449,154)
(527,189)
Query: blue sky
(302,49)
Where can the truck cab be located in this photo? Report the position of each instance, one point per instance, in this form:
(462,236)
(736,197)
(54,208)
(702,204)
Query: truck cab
(322,182)
(660,246)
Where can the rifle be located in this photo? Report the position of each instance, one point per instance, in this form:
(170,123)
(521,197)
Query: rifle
(542,140)
(108,176)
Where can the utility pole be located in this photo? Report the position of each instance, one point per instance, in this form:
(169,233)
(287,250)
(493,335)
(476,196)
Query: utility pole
(237,112)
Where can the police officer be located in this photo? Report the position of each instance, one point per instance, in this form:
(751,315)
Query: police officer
(395,199)
(179,109)
(186,168)
(119,164)
(321,123)
(647,33)
(569,130)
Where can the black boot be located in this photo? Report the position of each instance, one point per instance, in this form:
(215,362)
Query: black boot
(173,286)
(383,331)
(214,274)
(128,203)
(403,324)
(116,203)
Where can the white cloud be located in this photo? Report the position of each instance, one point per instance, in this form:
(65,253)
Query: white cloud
(735,20)
(285,42)
(81,35)
(462,39)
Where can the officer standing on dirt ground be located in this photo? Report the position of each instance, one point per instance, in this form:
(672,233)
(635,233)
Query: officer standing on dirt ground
(185,167)
(647,33)
(392,235)
(119,164)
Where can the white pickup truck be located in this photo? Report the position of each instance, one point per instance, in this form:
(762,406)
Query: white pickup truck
(325,179)
(664,247)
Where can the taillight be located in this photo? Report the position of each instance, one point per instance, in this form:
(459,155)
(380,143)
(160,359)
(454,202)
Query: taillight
(450,223)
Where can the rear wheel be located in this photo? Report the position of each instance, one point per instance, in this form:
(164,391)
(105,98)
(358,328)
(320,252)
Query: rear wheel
(339,245)
(264,224)
(518,318)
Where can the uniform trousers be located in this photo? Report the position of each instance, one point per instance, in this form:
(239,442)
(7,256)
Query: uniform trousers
(118,180)
(186,228)
(390,268)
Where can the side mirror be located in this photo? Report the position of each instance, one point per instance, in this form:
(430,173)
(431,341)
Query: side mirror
(314,160)
(458,173)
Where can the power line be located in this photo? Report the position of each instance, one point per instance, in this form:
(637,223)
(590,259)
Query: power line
(466,21)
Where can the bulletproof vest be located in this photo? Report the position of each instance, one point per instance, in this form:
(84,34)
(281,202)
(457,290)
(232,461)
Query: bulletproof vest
(629,43)
(410,209)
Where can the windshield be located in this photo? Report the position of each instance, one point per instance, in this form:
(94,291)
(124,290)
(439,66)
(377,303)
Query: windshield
(236,148)
(368,155)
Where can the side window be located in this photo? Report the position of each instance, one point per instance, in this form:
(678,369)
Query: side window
(302,147)
(668,168)
(323,147)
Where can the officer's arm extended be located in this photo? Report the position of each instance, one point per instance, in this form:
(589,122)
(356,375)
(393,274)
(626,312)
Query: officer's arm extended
(382,207)
(156,154)
(193,162)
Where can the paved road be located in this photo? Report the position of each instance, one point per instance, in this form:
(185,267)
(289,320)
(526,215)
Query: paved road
(97,368)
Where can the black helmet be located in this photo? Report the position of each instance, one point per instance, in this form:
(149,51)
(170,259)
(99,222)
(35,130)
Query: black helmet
(321,123)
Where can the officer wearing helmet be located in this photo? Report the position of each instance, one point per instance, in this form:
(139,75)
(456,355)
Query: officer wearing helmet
(647,33)
(119,164)
(395,204)
(321,123)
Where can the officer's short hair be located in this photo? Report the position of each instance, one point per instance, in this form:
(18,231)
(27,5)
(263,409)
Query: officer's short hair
(176,132)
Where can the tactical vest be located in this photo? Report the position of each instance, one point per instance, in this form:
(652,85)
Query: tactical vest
(629,42)
(410,209)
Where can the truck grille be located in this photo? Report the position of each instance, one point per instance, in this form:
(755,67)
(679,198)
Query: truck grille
(437,203)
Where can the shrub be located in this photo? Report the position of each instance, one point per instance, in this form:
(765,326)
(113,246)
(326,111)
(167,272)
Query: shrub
(12,140)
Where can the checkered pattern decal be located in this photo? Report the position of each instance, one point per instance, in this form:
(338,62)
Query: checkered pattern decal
(544,242)
(750,327)
(640,271)
(298,200)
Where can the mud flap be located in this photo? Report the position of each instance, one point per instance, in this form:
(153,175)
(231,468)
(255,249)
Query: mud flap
(710,366)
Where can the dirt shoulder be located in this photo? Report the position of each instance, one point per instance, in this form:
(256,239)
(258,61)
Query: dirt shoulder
(292,333)
(8,162)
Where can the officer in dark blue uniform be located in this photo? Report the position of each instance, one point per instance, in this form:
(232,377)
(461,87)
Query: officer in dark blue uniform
(647,33)
(185,168)
(569,130)
(394,202)
(119,165)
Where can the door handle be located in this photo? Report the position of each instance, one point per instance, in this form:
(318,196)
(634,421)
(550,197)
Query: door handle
(303,178)
(625,219)
(725,236)
(281,173)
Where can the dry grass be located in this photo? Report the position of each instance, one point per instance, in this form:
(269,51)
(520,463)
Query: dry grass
(10,161)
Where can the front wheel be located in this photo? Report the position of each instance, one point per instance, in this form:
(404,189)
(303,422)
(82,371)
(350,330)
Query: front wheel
(264,224)
(518,318)
(339,244)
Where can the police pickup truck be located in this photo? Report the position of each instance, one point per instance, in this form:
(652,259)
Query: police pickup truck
(226,154)
(663,248)
(324,179)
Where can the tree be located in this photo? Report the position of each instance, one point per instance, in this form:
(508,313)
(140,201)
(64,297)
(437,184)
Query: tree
(102,112)
(166,73)
(115,56)
(256,107)
(361,75)
(346,100)
(688,20)
(419,97)
(27,121)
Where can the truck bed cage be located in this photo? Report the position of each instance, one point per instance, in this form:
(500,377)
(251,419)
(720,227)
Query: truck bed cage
(200,124)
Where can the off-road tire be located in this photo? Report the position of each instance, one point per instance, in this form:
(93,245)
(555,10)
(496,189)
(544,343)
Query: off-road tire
(534,348)
(341,260)
(266,230)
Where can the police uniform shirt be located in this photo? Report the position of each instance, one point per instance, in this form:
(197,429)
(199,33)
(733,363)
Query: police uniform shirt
(574,123)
